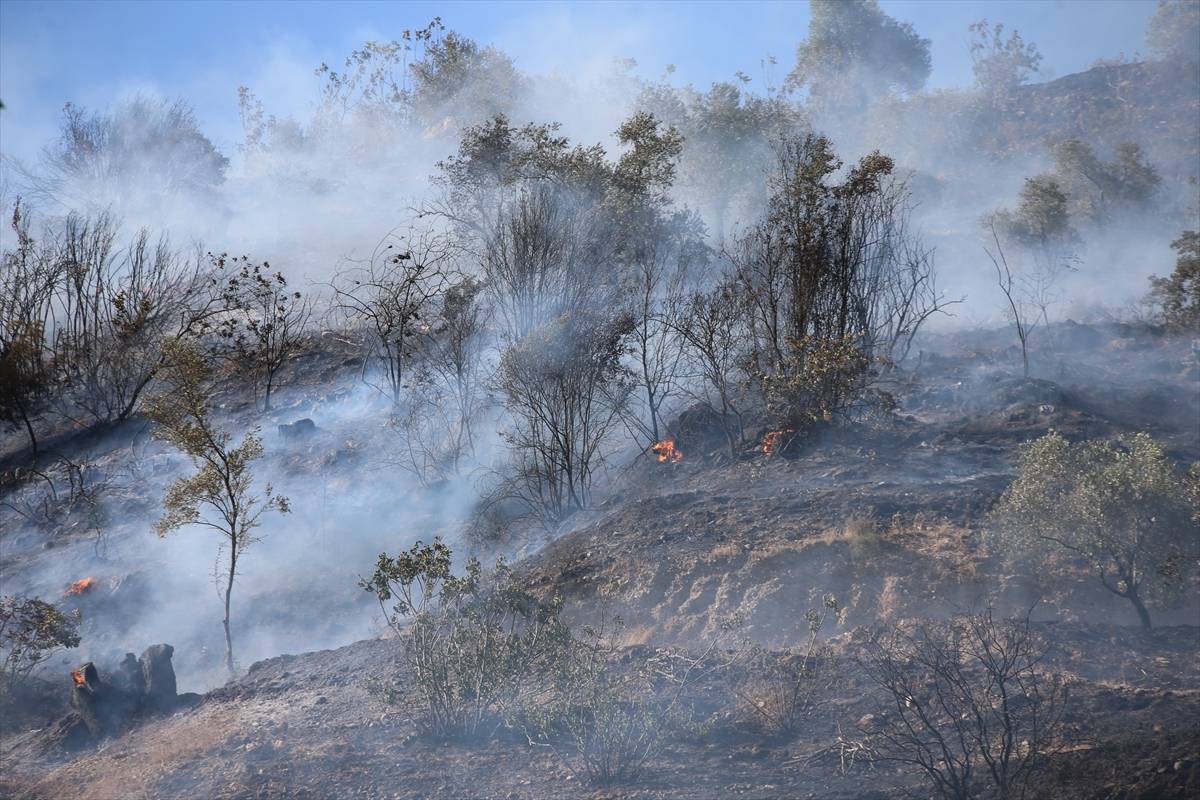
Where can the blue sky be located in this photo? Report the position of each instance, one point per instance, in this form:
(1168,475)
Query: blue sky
(94,53)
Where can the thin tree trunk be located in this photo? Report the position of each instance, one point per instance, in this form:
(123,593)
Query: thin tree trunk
(1140,607)
(33,442)
(225,622)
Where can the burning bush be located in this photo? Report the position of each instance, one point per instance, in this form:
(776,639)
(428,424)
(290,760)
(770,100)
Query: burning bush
(666,451)
(471,644)
(81,586)
(31,631)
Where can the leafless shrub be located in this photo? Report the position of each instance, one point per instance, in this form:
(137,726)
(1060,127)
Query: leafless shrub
(112,312)
(437,428)
(610,713)
(714,338)
(264,322)
(390,299)
(968,703)
(786,690)
(566,389)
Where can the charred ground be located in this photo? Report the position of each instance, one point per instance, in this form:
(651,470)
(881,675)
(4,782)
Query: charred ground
(886,516)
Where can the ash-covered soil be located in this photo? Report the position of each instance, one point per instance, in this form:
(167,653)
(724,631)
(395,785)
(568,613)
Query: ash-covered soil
(305,727)
(886,516)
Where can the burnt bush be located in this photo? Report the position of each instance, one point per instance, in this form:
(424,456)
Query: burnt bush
(967,703)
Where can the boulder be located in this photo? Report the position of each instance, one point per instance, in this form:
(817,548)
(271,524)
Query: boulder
(299,429)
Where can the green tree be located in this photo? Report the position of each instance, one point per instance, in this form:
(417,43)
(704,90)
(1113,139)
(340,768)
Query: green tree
(144,143)
(1178,295)
(1000,64)
(1122,507)
(220,495)
(856,53)
(1097,189)
(31,631)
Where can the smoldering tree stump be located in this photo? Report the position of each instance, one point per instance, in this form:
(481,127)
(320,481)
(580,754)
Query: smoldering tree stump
(140,687)
(159,689)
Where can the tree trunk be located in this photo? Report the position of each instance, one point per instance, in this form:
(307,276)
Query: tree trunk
(1140,607)
(33,443)
(228,594)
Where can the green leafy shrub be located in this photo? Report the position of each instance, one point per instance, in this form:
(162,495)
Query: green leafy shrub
(1122,507)
(1177,297)
(472,645)
(31,631)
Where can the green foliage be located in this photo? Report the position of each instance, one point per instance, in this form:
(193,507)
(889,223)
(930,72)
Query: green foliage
(818,381)
(855,52)
(1042,218)
(1099,190)
(1178,295)
(831,282)
(461,82)
(31,631)
(473,645)
(1123,508)
(143,142)
(1001,64)
(220,495)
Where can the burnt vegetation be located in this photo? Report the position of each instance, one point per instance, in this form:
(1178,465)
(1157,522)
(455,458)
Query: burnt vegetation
(763,448)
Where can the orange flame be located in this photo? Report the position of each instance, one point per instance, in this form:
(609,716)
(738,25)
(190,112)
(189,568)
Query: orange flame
(82,586)
(666,451)
(77,676)
(770,442)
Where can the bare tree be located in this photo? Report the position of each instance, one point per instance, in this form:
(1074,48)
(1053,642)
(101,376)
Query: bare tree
(220,495)
(658,280)
(390,300)
(267,323)
(566,389)
(1027,294)
(108,312)
(29,276)
(968,702)
(712,330)
(437,428)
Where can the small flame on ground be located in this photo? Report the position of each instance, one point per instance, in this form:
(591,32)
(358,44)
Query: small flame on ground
(666,451)
(77,676)
(770,442)
(82,586)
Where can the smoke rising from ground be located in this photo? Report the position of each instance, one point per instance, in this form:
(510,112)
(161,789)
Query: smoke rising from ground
(315,192)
